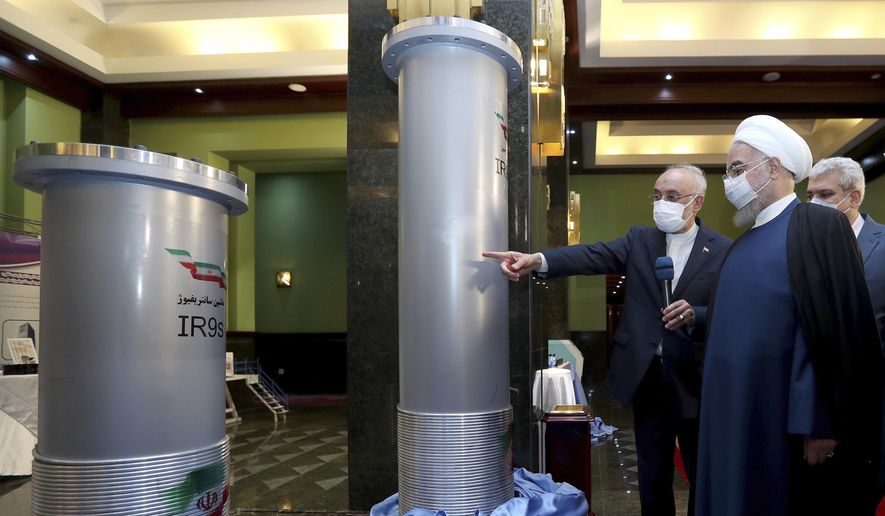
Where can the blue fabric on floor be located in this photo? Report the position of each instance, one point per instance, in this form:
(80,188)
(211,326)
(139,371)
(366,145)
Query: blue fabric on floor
(599,430)
(537,495)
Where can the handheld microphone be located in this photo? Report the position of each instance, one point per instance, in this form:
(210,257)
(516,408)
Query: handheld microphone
(664,273)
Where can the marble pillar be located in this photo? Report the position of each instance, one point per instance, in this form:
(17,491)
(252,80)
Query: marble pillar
(103,123)
(556,309)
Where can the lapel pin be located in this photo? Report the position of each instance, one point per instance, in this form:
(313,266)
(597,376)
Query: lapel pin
(706,250)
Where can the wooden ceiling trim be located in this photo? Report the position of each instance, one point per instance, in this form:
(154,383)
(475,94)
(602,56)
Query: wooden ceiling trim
(47,75)
(233,97)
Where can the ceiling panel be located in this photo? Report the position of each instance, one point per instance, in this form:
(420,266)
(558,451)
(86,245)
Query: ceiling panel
(704,142)
(730,33)
(148,41)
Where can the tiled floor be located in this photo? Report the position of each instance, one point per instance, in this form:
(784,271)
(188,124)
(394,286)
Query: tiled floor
(297,464)
(300,466)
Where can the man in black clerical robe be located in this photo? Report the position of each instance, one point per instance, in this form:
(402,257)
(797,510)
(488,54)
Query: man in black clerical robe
(839,183)
(793,372)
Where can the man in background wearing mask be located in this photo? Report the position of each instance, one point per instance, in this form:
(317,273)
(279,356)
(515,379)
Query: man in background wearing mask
(839,183)
(657,357)
(793,371)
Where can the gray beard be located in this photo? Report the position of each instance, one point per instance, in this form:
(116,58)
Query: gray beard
(747,215)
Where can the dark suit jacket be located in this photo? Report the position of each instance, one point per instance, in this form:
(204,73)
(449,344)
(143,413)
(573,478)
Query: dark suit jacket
(641,329)
(872,250)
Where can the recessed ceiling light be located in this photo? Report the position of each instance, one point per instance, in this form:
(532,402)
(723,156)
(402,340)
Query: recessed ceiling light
(668,76)
(575,162)
(32,57)
(876,76)
(771,76)
(300,88)
(571,131)
(198,90)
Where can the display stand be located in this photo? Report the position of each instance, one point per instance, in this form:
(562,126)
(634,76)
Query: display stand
(567,446)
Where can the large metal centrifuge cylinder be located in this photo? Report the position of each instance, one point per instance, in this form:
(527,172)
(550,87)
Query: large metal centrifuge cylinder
(454,410)
(133,299)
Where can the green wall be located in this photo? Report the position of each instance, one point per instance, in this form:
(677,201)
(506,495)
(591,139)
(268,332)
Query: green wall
(301,228)
(241,260)
(30,115)
(223,142)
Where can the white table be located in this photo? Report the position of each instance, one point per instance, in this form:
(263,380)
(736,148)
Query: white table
(18,423)
(552,387)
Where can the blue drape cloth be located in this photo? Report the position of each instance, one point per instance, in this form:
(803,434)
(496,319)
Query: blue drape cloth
(537,495)
(580,395)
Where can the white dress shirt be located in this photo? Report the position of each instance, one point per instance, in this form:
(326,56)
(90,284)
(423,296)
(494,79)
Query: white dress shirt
(774,209)
(857,225)
(678,248)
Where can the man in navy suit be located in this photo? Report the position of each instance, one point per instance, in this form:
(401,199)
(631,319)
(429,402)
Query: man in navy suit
(839,183)
(658,353)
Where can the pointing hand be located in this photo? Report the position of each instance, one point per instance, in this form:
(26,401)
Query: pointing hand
(514,264)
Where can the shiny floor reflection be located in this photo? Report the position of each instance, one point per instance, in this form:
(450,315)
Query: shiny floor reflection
(299,466)
(615,485)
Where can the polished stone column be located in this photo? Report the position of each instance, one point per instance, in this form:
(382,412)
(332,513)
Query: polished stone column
(372,315)
(103,123)
(556,303)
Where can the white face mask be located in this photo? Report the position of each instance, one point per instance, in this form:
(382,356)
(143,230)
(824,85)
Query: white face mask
(828,204)
(738,189)
(668,215)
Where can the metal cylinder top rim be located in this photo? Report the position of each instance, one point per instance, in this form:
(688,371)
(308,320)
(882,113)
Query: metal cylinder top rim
(100,160)
(95,150)
(447,30)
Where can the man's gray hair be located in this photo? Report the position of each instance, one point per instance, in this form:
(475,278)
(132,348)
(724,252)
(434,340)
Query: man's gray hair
(848,173)
(700,182)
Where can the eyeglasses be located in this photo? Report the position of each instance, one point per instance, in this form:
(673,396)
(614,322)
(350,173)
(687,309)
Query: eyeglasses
(669,197)
(735,170)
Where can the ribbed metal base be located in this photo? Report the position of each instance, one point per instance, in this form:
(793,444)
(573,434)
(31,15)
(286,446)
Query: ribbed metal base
(191,483)
(455,462)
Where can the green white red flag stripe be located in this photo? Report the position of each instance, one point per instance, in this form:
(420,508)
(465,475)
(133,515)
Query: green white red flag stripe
(201,271)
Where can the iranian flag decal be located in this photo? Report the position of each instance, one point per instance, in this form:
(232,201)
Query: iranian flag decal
(200,487)
(200,271)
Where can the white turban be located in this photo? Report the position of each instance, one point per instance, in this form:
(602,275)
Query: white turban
(775,139)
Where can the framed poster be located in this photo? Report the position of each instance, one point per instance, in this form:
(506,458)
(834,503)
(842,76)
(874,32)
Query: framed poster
(19,291)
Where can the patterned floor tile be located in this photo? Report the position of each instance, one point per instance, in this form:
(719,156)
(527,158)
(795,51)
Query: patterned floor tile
(330,482)
(274,483)
(308,467)
(329,458)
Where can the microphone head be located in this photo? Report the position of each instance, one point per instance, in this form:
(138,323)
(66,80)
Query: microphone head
(664,268)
